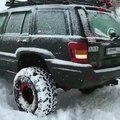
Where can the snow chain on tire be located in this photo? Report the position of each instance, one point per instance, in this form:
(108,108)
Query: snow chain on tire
(35,91)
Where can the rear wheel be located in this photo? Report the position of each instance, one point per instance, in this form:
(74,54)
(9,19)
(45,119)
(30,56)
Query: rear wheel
(35,91)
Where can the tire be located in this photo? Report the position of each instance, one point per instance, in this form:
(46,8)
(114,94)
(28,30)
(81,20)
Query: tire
(87,91)
(35,91)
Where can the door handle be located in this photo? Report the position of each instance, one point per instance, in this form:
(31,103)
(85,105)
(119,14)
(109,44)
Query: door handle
(22,41)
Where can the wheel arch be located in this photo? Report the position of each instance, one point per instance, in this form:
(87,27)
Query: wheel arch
(32,57)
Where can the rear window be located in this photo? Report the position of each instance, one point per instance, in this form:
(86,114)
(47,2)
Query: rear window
(102,24)
(51,23)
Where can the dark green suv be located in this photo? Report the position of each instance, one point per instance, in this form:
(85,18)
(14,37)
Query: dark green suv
(44,47)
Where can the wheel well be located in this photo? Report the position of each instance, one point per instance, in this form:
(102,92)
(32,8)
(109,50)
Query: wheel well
(31,59)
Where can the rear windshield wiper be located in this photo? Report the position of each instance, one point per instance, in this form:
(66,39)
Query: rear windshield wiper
(114,36)
(117,37)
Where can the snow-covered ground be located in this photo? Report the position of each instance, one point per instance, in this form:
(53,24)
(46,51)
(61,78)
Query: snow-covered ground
(103,104)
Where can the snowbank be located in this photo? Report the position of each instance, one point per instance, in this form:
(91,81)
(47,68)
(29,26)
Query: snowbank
(103,104)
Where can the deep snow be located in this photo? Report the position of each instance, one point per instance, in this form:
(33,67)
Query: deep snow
(102,104)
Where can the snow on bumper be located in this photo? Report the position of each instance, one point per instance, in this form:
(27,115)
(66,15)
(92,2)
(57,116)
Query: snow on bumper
(75,75)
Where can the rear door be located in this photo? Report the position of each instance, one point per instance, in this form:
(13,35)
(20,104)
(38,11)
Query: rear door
(52,31)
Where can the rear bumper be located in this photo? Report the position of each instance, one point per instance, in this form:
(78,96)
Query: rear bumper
(74,75)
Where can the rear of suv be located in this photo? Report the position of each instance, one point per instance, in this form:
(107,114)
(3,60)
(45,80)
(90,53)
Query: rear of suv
(44,47)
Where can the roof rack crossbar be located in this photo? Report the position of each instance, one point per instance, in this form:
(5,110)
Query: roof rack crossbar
(16,3)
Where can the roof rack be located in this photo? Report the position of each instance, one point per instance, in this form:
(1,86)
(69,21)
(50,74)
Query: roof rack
(17,3)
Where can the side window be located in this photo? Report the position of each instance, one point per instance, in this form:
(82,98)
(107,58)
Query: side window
(26,23)
(15,23)
(2,19)
(51,23)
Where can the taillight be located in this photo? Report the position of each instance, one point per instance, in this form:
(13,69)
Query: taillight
(101,9)
(78,52)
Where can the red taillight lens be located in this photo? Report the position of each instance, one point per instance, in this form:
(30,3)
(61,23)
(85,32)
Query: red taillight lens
(78,52)
(100,9)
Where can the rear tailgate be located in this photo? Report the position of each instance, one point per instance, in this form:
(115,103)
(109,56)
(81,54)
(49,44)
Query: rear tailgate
(98,25)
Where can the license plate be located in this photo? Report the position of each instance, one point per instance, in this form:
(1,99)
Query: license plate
(112,51)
